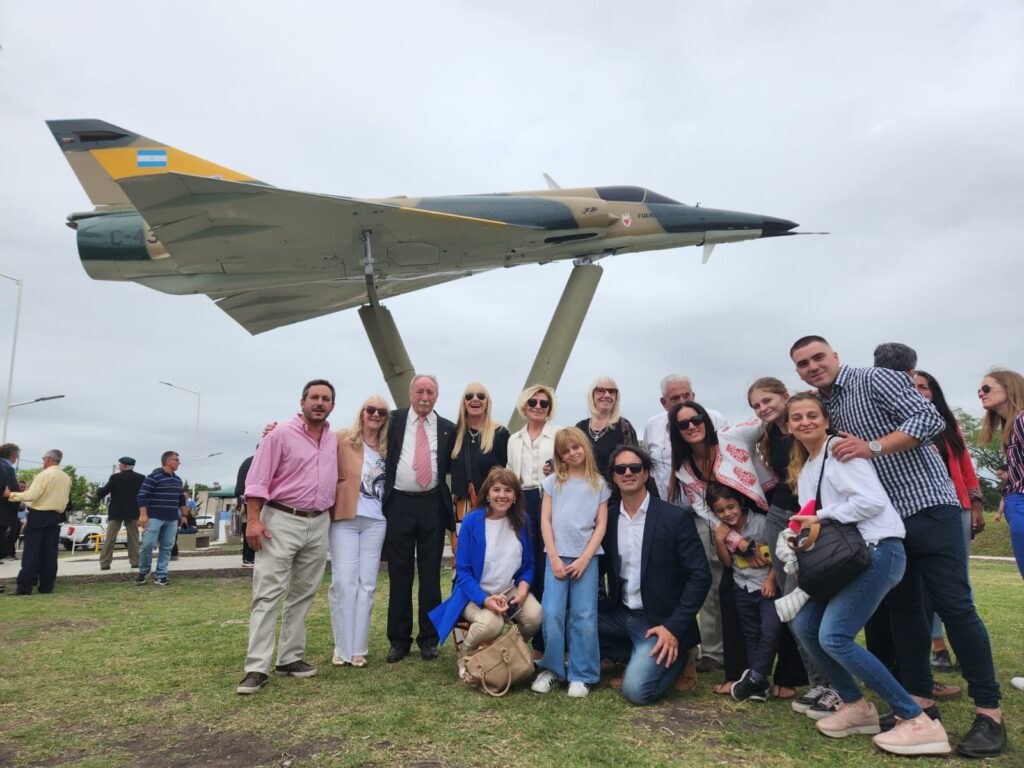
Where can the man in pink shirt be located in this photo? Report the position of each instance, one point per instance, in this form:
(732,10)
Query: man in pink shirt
(288,494)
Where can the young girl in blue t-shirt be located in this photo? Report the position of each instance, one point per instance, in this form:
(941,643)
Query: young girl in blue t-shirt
(574,513)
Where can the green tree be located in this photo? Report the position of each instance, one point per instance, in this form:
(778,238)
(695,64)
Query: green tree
(987,457)
(83,492)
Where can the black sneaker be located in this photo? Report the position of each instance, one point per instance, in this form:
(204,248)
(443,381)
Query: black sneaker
(251,683)
(888,721)
(827,704)
(802,703)
(161,581)
(296,669)
(987,738)
(942,662)
(140,580)
(746,688)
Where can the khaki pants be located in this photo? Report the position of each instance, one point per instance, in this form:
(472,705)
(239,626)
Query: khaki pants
(485,625)
(711,611)
(107,552)
(290,565)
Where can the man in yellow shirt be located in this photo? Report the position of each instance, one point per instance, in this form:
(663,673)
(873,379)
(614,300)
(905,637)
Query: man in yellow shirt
(47,499)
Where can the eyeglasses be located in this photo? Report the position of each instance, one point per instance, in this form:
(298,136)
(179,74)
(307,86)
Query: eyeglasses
(481,396)
(373,411)
(984,389)
(621,469)
(684,424)
(535,403)
(605,391)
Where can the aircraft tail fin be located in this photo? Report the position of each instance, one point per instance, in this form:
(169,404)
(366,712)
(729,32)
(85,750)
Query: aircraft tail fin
(100,153)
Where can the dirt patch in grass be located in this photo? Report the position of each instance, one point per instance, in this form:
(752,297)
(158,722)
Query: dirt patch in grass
(221,749)
(683,717)
(63,759)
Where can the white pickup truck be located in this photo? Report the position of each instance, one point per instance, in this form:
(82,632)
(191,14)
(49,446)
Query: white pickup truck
(89,532)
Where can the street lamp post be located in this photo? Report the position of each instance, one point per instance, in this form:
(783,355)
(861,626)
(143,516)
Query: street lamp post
(25,402)
(199,399)
(14,345)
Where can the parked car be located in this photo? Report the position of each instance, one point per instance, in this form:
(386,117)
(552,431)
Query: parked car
(205,521)
(88,532)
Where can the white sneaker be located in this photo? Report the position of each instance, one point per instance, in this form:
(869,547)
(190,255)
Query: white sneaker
(337,661)
(1017,682)
(544,682)
(578,690)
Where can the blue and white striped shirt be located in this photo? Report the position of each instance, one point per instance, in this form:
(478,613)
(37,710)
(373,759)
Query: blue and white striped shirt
(161,495)
(872,402)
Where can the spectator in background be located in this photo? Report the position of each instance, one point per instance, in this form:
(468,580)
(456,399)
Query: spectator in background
(10,525)
(161,503)
(248,553)
(123,488)
(48,498)
(1002,397)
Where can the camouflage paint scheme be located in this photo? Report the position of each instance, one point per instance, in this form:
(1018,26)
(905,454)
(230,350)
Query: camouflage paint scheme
(271,257)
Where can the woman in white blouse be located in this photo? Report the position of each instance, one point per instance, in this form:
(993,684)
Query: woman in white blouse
(850,492)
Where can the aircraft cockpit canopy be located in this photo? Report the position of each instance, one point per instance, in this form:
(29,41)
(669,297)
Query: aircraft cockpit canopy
(633,195)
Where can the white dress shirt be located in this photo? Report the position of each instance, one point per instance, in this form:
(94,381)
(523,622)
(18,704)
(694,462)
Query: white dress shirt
(631,542)
(405,475)
(656,442)
(526,457)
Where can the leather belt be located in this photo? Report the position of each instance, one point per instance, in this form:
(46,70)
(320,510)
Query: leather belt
(294,510)
(431,492)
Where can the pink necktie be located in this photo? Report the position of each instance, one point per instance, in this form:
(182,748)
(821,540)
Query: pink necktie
(421,457)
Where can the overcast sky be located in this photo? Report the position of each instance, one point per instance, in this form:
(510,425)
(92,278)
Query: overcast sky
(895,126)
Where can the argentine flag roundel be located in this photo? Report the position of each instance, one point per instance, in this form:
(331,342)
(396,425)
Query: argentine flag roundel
(151,158)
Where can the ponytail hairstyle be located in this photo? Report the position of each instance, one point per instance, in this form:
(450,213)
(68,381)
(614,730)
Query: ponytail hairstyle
(798,454)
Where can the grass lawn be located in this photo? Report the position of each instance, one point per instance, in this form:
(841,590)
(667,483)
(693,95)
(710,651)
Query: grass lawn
(108,674)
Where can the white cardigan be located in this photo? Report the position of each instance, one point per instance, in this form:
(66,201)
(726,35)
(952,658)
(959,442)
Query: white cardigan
(545,449)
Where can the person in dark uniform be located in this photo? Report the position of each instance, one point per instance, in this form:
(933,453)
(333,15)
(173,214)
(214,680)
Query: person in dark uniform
(123,489)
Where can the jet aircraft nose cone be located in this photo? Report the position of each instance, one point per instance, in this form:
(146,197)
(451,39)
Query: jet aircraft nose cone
(773,227)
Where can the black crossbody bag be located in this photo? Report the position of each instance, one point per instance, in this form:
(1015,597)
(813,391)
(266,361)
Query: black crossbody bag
(830,554)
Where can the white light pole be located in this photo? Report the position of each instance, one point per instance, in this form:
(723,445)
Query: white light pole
(14,345)
(199,399)
(25,402)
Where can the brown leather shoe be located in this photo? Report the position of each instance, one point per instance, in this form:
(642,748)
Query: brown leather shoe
(687,678)
(615,683)
(942,691)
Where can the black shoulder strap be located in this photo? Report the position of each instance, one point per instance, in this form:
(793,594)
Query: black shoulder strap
(821,475)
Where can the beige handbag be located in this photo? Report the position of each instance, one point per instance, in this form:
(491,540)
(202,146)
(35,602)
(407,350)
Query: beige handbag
(502,664)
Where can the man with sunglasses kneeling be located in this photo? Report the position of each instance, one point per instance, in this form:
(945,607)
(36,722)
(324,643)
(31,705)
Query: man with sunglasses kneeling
(658,578)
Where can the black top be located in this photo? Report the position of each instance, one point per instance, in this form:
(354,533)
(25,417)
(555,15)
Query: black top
(243,474)
(8,509)
(779,447)
(123,488)
(472,466)
(618,434)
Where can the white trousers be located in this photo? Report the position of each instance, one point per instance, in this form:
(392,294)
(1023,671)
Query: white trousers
(711,643)
(355,562)
(290,565)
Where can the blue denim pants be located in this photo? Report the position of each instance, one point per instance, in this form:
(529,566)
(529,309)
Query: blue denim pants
(937,559)
(621,633)
(163,531)
(1013,511)
(580,597)
(828,631)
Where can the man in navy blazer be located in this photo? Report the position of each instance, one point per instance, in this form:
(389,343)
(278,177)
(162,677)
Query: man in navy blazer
(417,504)
(658,578)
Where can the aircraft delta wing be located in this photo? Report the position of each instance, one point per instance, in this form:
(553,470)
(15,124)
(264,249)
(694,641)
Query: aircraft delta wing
(271,257)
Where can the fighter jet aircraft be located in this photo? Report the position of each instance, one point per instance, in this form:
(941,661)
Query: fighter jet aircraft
(270,257)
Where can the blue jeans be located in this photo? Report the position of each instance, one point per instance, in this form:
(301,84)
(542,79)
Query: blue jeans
(163,531)
(827,631)
(621,632)
(937,560)
(580,595)
(1013,511)
(965,521)
(761,630)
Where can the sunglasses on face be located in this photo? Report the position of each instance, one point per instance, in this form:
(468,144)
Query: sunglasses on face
(373,411)
(984,389)
(621,469)
(605,391)
(535,403)
(684,424)
(481,396)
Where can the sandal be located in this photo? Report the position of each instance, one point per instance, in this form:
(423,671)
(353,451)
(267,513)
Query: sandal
(725,689)
(782,692)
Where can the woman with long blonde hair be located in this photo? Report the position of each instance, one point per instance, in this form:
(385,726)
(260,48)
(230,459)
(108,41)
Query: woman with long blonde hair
(606,427)
(1002,397)
(480,444)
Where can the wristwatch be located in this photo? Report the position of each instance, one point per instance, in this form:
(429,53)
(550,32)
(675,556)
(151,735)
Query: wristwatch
(875,447)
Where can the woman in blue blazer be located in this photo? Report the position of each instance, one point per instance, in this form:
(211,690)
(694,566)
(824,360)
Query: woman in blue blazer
(493,568)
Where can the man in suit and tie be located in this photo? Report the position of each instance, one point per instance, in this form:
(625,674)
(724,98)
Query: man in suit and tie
(123,487)
(418,508)
(658,578)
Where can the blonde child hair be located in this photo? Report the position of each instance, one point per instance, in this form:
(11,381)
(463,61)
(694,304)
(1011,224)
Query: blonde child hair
(565,438)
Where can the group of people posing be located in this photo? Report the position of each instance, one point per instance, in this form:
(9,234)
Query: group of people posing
(605,552)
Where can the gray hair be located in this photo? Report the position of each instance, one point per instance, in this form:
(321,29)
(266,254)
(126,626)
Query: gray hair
(674,378)
(54,455)
(430,376)
(9,451)
(895,356)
